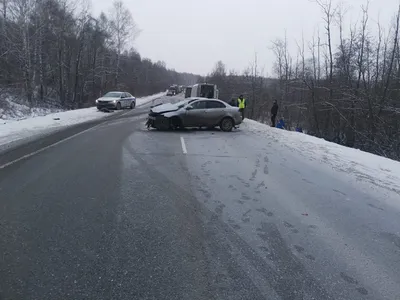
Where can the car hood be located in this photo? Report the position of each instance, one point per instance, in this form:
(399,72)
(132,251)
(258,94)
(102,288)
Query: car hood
(108,98)
(163,108)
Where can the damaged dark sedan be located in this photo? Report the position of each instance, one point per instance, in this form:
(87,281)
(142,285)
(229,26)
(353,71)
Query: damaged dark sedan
(194,112)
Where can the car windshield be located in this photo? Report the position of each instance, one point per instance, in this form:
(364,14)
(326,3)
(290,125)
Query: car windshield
(112,95)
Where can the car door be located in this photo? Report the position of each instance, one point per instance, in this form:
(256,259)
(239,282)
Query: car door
(194,117)
(215,111)
(124,100)
(129,99)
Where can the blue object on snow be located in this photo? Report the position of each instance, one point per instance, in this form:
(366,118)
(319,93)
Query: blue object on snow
(281,124)
(299,129)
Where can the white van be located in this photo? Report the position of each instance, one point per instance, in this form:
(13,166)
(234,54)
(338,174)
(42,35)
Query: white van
(205,90)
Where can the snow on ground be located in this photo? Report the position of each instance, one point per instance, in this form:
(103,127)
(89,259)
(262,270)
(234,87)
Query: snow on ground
(362,167)
(12,111)
(17,130)
(14,130)
(145,100)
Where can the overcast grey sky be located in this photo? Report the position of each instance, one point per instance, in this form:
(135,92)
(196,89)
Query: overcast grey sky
(191,35)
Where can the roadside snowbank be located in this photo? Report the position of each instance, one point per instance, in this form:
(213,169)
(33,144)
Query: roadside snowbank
(145,100)
(14,130)
(12,111)
(358,165)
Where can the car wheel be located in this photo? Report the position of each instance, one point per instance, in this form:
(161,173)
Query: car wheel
(227,124)
(175,123)
(118,105)
(162,123)
(133,104)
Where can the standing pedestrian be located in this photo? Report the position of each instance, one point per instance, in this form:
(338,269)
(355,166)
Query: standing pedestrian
(274,112)
(242,105)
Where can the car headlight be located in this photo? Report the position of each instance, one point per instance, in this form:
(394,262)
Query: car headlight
(114,101)
(97,101)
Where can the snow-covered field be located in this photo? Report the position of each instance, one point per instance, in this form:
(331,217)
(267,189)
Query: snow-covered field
(362,168)
(33,125)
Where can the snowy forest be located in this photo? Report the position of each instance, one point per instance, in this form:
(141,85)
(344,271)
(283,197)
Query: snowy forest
(55,53)
(347,93)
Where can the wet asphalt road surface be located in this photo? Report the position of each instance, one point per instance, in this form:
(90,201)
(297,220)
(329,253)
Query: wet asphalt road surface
(120,212)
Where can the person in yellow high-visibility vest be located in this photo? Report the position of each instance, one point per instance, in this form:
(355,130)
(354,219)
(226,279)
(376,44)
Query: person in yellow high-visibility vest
(242,105)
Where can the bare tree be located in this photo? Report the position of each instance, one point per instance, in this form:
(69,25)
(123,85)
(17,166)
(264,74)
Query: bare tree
(254,84)
(283,65)
(391,62)
(123,30)
(329,13)
(20,43)
(219,69)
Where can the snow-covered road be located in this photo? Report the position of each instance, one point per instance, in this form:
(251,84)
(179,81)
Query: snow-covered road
(311,219)
(257,213)
(324,217)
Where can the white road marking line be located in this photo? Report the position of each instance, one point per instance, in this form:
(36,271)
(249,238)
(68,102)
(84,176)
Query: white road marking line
(47,147)
(184,150)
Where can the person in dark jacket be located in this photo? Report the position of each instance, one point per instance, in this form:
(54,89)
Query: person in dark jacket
(233,102)
(274,112)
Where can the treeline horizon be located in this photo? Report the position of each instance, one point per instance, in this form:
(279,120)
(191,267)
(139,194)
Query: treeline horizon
(56,53)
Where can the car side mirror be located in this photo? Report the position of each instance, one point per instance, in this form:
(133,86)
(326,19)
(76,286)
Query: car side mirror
(189,107)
